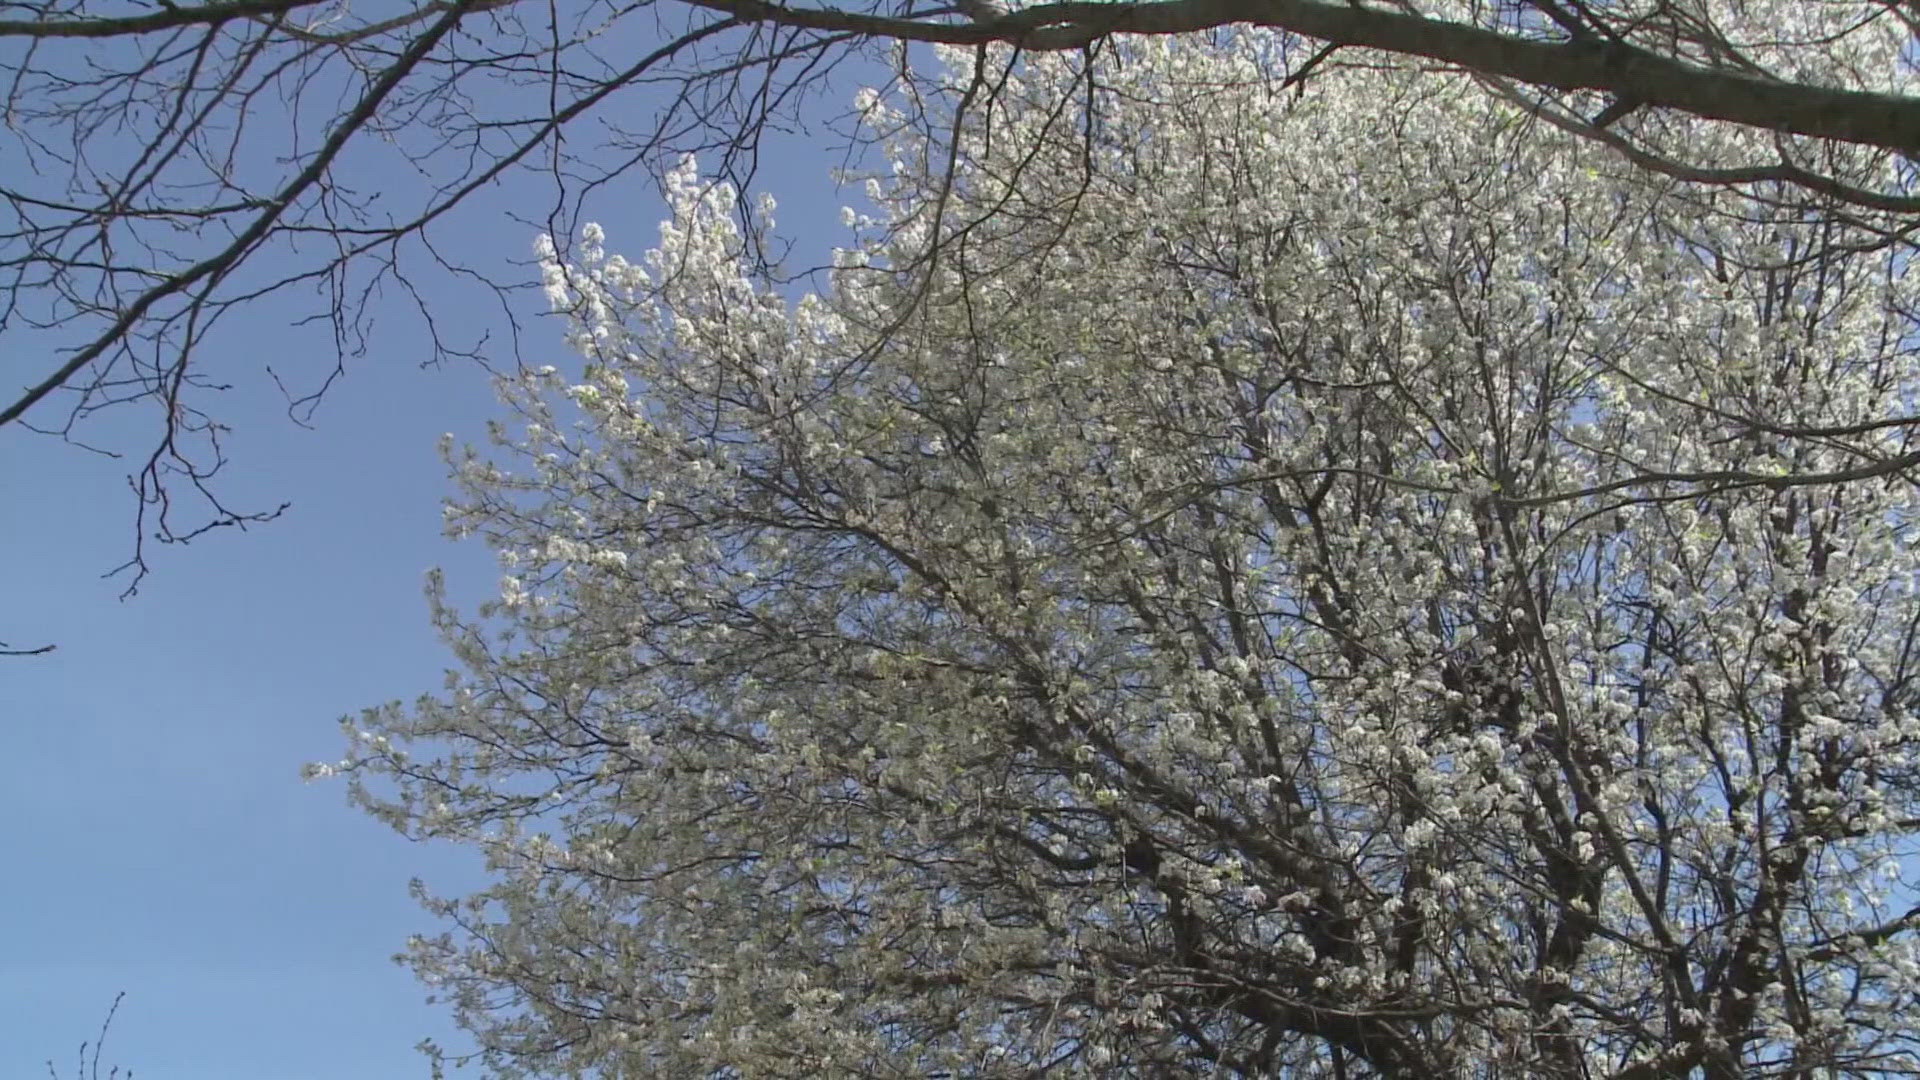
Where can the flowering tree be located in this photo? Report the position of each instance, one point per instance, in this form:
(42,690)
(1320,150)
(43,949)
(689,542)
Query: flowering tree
(1343,586)
(180,164)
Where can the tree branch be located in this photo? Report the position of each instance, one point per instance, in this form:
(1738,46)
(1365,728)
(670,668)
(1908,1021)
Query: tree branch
(218,264)
(168,18)
(1627,71)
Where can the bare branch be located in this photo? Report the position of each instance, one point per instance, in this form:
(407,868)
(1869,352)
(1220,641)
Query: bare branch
(170,17)
(1629,72)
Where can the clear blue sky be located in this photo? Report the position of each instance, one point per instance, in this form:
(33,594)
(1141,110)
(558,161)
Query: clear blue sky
(162,843)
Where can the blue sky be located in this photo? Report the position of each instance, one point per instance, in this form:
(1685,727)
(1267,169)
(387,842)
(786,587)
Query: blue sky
(162,843)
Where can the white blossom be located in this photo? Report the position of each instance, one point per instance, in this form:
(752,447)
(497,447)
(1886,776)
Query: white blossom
(1228,590)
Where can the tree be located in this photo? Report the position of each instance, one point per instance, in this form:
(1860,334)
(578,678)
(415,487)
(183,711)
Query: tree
(1343,585)
(153,199)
